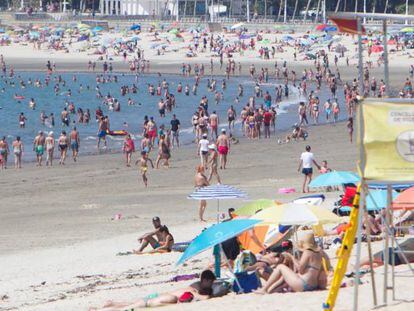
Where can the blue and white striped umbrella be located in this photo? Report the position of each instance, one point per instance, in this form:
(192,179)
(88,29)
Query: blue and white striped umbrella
(218,192)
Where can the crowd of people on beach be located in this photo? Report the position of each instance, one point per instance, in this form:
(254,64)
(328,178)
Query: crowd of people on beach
(251,113)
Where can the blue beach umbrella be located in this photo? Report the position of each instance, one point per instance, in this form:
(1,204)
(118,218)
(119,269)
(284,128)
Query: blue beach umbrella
(97,29)
(218,192)
(375,200)
(215,235)
(335,178)
(330,28)
(135,27)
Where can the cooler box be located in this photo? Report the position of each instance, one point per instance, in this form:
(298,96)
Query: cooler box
(248,282)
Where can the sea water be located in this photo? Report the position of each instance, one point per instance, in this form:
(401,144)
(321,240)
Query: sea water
(130,118)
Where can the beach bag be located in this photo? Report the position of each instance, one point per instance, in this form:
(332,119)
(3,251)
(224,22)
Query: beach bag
(245,259)
(248,282)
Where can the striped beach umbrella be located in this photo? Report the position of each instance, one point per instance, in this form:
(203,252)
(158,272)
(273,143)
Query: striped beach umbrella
(218,192)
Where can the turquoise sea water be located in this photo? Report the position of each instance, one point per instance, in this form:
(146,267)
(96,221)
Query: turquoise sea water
(130,118)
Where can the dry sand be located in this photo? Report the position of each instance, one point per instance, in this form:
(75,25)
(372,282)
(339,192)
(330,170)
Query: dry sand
(58,240)
(59,243)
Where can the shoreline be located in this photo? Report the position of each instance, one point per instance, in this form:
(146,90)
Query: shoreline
(348,73)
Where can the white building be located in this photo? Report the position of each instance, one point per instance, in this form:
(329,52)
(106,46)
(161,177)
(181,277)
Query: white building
(168,7)
(132,7)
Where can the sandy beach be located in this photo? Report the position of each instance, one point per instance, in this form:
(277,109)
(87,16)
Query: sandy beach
(62,227)
(59,243)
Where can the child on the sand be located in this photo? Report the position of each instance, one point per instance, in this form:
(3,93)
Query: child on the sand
(143,166)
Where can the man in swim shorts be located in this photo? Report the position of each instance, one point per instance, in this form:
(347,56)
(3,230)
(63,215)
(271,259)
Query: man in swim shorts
(39,147)
(102,129)
(223,147)
(74,143)
(306,162)
(148,238)
(4,151)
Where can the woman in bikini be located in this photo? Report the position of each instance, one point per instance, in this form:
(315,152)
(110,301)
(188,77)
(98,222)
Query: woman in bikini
(310,270)
(50,147)
(17,151)
(197,291)
(163,152)
(63,143)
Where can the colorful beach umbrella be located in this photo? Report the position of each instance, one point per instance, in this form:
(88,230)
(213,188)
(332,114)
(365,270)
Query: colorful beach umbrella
(135,27)
(267,235)
(215,235)
(296,214)
(377,49)
(407,29)
(97,29)
(405,200)
(251,208)
(236,26)
(83,26)
(335,178)
(217,192)
(375,200)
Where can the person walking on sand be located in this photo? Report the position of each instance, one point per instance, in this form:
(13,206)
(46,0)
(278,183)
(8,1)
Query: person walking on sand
(143,166)
(17,151)
(213,163)
(128,149)
(39,147)
(350,127)
(175,130)
(306,162)
(223,144)
(200,181)
(163,152)
(50,147)
(214,121)
(74,143)
(63,144)
(202,150)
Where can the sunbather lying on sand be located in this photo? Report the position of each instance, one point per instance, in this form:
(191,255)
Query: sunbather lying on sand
(195,292)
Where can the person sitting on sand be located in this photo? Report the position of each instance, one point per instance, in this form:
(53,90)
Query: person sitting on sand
(308,274)
(265,264)
(148,238)
(197,291)
(297,133)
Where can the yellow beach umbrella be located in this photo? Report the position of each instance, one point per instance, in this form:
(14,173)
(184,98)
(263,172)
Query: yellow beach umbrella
(83,26)
(296,214)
